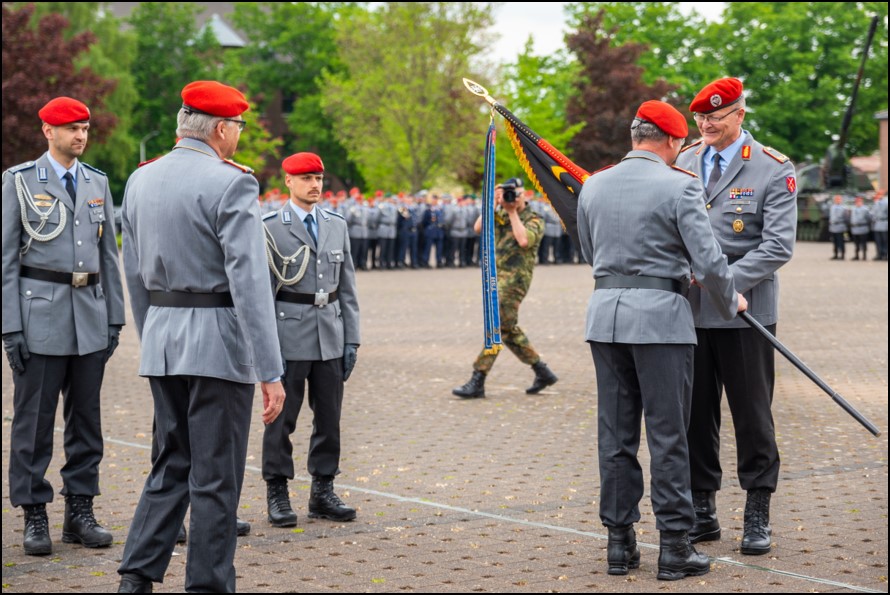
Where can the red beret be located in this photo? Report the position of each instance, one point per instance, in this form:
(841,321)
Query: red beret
(214,99)
(716,95)
(303,163)
(64,110)
(665,116)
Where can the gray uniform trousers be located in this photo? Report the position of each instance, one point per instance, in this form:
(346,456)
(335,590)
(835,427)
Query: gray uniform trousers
(211,418)
(79,379)
(656,380)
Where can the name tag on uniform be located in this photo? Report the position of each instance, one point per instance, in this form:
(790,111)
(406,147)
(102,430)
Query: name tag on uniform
(287,217)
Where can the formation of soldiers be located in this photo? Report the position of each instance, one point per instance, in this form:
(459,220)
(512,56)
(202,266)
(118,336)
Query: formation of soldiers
(859,221)
(424,230)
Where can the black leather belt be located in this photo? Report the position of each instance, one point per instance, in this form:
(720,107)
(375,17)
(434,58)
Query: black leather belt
(73,279)
(304,298)
(638,282)
(184,299)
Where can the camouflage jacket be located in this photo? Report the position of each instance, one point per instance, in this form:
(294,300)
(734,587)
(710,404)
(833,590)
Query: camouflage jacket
(515,264)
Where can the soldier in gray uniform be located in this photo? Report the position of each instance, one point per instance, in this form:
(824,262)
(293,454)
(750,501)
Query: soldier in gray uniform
(201,301)
(838,217)
(860,225)
(751,197)
(641,225)
(63,309)
(318,325)
(879,224)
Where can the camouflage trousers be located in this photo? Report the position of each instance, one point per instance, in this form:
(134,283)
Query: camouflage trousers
(511,335)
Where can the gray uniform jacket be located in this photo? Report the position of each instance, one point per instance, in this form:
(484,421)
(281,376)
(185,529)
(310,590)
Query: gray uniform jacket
(879,215)
(191,223)
(386,225)
(308,332)
(860,220)
(642,217)
(838,216)
(753,211)
(59,319)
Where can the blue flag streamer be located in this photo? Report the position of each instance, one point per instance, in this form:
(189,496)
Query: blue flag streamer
(490,303)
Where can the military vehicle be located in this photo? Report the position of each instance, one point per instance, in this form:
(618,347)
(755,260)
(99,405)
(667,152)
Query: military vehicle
(818,183)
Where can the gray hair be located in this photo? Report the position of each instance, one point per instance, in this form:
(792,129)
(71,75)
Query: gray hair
(194,125)
(641,131)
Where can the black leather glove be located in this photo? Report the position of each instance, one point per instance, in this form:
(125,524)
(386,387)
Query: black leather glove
(114,339)
(350,356)
(16,351)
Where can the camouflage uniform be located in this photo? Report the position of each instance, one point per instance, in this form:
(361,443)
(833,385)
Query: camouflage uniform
(515,268)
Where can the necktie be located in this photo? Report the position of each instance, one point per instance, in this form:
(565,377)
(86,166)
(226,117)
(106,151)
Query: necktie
(715,175)
(310,225)
(69,185)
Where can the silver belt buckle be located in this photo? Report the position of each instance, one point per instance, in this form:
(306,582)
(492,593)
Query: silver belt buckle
(79,279)
(321,299)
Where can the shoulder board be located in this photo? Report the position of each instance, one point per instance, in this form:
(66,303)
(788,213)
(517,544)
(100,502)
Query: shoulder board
(695,144)
(685,171)
(91,168)
(270,215)
(243,168)
(603,169)
(775,155)
(149,161)
(335,214)
(21,167)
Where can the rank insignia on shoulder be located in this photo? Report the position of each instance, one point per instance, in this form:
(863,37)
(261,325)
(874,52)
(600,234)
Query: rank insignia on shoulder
(334,213)
(22,166)
(88,166)
(270,215)
(775,155)
(152,160)
(746,152)
(695,144)
(243,168)
(685,171)
(96,202)
(287,216)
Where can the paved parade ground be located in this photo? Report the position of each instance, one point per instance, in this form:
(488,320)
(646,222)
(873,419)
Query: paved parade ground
(501,493)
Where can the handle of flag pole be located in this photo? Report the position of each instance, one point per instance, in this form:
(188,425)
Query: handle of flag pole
(868,425)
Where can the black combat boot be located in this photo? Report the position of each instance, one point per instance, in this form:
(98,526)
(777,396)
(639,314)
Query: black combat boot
(134,583)
(474,389)
(756,540)
(706,526)
(543,378)
(622,551)
(80,525)
(37,541)
(678,559)
(325,504)
(280,512)
(242,528)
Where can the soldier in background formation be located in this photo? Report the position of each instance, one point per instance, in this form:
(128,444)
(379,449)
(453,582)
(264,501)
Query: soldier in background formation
(838,216)
(879,223)
(860,226)
(63,309)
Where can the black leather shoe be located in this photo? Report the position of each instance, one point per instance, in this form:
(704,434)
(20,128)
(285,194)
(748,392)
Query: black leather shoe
(474,389)
(80,525)
(622,551)
(543,378)
(325,504)
(133,583)
(677,558)
(36,539)
(757,539)
(706,526)
(278,501)
(243,527)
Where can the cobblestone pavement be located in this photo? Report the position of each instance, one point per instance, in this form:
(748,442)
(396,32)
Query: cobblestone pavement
(500,494)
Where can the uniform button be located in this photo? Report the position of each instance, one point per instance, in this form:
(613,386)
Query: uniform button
(80,264)
(79,243)
(28,292)
(77,222)
(321,276)
(281,314)
(738,209)
(318,261)
(709,206)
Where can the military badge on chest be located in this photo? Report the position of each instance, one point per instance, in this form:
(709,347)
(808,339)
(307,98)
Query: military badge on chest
(735,193)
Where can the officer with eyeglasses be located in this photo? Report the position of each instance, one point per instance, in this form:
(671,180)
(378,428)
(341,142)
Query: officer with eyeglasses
(751,198)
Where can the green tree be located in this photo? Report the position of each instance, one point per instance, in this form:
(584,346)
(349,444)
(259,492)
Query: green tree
(111,56)
(400,106)
(170,53)
(798,62)
(257,147)
(289,45)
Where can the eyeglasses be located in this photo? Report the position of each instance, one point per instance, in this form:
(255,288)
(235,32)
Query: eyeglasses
(704,119)
(241,123)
